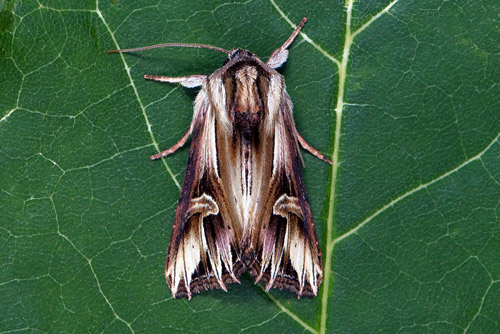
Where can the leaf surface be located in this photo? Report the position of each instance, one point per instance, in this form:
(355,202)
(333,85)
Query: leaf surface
(404,95)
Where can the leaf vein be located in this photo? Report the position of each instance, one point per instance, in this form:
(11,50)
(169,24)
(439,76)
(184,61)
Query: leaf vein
(466,329)
(292,314)
(305,37)
(261,323)
(413,191)
(374,18)
(136,93)
(89,262)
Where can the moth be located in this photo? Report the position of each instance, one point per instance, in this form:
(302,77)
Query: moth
(243,205)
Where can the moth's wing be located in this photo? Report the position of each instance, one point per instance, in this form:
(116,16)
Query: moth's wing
(284,246)
(204,246)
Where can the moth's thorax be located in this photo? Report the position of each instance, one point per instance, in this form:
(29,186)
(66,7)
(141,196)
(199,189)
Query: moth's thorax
(247,106)
(245,80)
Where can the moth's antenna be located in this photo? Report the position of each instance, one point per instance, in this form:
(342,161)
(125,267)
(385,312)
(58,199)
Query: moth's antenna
(294,34)
(280,55)
(183,45)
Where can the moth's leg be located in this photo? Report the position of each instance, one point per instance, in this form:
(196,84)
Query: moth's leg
(174,148)
(190,81)
(280,55)
(312,150)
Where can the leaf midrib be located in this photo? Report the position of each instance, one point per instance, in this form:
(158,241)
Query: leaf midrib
(342,74)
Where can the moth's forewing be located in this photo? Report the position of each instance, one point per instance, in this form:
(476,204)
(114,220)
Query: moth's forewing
(282,238)
(204,247)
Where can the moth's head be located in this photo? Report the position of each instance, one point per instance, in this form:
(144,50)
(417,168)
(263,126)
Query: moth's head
(238,53)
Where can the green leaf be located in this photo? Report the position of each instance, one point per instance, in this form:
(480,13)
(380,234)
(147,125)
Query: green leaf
(404,95)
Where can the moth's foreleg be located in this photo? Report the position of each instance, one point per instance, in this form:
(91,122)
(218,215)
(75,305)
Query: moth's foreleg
(312,150)
(190,81)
